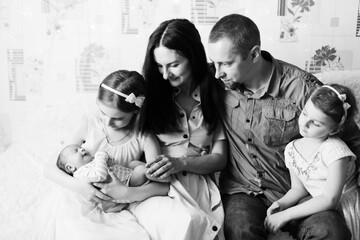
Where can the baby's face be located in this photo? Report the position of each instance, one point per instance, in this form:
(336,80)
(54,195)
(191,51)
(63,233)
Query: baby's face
(77,156)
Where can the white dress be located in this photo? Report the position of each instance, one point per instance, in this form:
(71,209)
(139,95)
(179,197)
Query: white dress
(175,217)
(194,211)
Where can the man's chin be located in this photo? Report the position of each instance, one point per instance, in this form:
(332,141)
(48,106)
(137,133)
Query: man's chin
(232,85)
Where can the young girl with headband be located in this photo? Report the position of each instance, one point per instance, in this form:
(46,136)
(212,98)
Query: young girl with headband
(116,130)
(320,163)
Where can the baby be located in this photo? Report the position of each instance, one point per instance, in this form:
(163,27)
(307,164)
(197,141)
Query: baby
(79,163)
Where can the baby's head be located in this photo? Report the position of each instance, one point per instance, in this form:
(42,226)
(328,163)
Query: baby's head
(72,157)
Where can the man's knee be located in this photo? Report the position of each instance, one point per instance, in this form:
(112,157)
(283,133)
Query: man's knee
(325,225)
(244,217)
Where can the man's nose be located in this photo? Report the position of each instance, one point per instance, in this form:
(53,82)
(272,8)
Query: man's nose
(219,73)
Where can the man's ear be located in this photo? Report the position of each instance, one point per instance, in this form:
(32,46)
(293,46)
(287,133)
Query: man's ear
(255,53)
(69,168)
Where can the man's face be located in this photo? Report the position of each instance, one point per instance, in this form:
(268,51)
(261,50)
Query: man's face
(230,67)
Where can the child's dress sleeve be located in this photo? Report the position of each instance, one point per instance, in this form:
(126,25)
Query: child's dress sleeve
(96,170)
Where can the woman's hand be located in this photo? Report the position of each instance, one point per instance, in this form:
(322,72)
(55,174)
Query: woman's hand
(114,189)
(164,166)
(89,192)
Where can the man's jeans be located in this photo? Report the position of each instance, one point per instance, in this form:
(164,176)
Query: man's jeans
(245,215)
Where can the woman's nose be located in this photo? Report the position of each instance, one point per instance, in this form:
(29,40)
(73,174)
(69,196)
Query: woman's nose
(165,73)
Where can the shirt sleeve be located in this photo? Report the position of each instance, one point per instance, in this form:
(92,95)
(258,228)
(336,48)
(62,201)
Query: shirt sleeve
(335,149)
(95,171)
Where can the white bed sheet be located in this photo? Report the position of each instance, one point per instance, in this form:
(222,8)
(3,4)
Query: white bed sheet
(22,188)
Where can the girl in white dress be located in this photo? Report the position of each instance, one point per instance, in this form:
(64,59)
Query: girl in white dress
(74,214)
(320,163)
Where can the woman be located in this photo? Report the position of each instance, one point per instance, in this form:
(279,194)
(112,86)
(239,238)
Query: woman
(182,105)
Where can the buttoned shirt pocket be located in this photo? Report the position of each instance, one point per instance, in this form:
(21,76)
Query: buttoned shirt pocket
(279,123)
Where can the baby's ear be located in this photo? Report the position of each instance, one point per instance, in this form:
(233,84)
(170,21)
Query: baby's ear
(69,168)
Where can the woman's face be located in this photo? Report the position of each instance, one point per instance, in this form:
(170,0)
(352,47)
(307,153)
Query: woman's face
(173,66)
(113,117)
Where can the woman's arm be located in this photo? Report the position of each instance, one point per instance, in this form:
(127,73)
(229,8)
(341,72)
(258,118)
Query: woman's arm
(327,201)
(53,173)
(213,162)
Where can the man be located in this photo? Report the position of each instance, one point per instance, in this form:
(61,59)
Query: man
(263,101)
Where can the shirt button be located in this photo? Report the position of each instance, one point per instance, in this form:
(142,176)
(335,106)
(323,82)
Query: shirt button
(249,139)
(182,115)
(185,136)
(214,228)
(247,120)
(193,117)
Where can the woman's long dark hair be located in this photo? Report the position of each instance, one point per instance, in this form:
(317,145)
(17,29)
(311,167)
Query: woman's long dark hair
(161,111)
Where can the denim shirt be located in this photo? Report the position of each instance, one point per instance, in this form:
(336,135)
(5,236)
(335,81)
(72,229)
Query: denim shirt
(259,125)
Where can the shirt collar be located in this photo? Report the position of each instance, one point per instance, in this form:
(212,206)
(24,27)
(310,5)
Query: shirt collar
(195,94)
(272,87)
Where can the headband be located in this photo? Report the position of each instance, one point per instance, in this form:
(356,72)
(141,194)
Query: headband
(131,98)
(342,98)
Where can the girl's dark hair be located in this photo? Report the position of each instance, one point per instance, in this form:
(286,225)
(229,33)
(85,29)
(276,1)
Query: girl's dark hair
(126,82)
(161,112)
(327,101)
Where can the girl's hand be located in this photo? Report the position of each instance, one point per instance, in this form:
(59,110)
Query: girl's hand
(114,189)
(275,221)
(164,166)
(89,192)
(274,208)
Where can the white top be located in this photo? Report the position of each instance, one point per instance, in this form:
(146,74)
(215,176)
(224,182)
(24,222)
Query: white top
(313,172)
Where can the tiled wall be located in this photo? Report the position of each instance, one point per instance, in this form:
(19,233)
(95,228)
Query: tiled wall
(50,48)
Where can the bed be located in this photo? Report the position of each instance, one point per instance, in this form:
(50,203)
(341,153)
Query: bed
(35,132)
